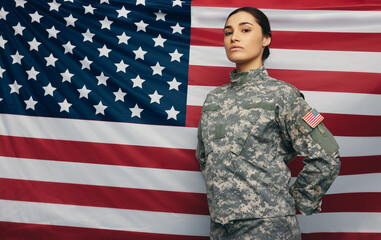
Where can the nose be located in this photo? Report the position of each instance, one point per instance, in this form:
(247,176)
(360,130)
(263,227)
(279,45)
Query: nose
(234,37)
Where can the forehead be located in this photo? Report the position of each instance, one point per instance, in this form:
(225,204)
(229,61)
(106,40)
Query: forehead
(240,17)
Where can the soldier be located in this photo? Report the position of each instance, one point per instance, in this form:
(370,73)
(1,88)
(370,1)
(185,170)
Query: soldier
(249,130)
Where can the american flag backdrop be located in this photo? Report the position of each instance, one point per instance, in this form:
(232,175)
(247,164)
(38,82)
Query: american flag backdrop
(100,101)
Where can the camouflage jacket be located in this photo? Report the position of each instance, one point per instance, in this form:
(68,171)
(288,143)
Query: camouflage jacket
(249,130)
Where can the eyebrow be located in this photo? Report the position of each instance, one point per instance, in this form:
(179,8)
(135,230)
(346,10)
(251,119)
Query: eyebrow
(240,24)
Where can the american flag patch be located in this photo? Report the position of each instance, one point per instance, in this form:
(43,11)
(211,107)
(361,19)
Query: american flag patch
(313,118)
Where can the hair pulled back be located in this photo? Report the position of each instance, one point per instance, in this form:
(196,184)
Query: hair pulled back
(262,21)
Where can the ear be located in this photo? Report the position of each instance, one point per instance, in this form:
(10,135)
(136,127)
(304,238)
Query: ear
(266,40)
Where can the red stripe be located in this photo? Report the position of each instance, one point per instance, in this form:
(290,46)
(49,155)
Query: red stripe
(352,202)
(281,4)
(349,165)
(101,196)
(338,124)
(304,80)
(101,153)
(24,231)
(329,41)
(341,236)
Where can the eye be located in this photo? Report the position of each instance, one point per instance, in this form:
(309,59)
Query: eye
(246,30)
(227,33)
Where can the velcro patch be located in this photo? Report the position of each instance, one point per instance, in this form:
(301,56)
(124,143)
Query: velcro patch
(313,118)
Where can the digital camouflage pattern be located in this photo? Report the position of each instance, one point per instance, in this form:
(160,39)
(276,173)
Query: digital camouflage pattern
(277,228)
(249,130)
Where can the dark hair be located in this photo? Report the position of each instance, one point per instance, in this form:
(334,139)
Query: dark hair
(262,21)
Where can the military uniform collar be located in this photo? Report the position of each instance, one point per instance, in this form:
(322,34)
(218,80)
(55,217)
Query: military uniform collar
(242,77)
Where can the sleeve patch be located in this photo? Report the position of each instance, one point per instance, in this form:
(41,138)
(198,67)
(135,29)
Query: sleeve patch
(313,118)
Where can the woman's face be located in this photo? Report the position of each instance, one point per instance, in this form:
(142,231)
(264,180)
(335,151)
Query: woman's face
(244,41)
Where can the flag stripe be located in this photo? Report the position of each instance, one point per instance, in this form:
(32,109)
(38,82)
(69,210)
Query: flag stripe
(104,218)
(280,4)
(100,153)
(344,236)
(144,178)
(302,20)
(328,102)
(352,202)
(316,60)
(97,153)
(349,165)
(25,231)
(99,196)
(302,79)
(341,222)
(299,40)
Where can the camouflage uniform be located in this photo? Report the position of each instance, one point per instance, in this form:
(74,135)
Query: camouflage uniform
(249,130)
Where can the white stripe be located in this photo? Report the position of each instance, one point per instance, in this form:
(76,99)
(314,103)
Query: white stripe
(96,131)
(325,102)
(144,178)
(102,175)
(104,218)
(297,20)
(355,222)
(318,60)
(52,128)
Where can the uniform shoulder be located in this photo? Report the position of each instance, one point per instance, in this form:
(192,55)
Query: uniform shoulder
(284,88)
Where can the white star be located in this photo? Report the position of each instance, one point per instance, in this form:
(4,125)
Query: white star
(70,20)
(88,36)
(172,113)
(84,92)
(137,82)
(35,17)
(177,28)
(174,84)
(123,38)
(15,87)
(136,111)
(141,26)
(89,9)
(32,74)
(160,15)
(104,1)
(142,2)
(52,32)
(17,58)
(66,76)
(139,53)
(123,12)
(159,41)
(119,95)
(100,108)
(20,3)
(1,72)
(34,44)
(18,29)
(54,6)
(155,97)
(69,1)
(106,23)
(175,56)
(121,66)
(86,63)
(30,103)
(49,89)
(3,14)
(65,106)
(102,79)
(177,3)
(68,47)
(51,60)
(157,69)
(2,42)
(104,51)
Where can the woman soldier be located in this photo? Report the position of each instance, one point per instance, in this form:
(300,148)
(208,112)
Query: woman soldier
(249,130)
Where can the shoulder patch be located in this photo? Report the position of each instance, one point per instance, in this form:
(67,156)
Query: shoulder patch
(313,118)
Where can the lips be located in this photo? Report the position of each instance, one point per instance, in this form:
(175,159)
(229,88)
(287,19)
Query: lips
(235,48)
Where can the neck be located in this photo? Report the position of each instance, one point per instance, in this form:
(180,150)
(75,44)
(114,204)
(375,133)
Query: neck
(247,66)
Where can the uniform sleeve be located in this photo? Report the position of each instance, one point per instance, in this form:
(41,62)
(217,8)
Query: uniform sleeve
(320,151)
(200,150)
